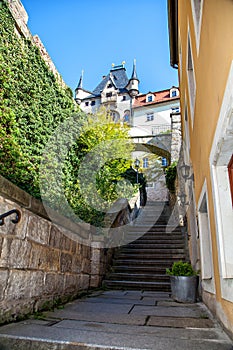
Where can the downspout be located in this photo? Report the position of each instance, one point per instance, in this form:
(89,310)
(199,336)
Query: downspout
(172,7)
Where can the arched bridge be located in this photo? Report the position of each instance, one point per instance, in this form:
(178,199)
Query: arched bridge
(159,144)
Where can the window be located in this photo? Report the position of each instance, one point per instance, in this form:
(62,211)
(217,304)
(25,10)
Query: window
(145,162)
(86,103)
(174,93)
(92,103)
(108,94)
(126,116)
(124,98)
(175,109)
(149,97)
(109,86)
(230,173)
(150,117)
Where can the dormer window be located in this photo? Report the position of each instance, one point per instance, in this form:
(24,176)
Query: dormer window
(174,92)
(150,98)
(109,86)
(108,94)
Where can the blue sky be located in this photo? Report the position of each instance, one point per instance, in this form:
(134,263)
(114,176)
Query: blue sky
(92,34)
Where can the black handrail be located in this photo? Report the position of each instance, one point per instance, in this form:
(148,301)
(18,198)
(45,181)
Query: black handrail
(10,212)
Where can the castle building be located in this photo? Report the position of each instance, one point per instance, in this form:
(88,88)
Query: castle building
(115,91)
(147,114)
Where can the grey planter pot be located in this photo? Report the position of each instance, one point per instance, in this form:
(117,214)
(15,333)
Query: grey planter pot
(184,288)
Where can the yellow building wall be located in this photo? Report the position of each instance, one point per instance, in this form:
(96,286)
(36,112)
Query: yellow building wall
(211,69)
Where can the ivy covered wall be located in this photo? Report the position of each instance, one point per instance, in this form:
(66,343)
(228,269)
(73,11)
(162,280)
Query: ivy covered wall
(32,104)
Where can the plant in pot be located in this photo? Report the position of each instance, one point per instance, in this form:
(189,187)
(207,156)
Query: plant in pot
(184,282)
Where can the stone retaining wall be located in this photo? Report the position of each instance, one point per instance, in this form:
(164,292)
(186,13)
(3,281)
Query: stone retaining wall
(39,262)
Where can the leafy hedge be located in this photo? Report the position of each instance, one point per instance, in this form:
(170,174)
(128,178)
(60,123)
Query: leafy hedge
(32,104)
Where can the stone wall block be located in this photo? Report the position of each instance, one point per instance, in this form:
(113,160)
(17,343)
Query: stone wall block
(71,285)
(66,262)
(43,258)
(19,285)
(95,281)
(55,237)
(65,243)
(36,284)
(59,285)
(38,229)
(3,282)
(19,254)
(73,247)
(53,260)
(84,281)
(86,265)
(76,263)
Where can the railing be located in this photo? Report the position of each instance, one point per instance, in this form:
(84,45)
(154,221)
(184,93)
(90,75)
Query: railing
(161,128)
(11,212)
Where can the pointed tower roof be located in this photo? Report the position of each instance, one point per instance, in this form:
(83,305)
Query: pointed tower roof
(80,83)
(134,73)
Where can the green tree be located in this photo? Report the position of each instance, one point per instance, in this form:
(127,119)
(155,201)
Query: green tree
(96,165)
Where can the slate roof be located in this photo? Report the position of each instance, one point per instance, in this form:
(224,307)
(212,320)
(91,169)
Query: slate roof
(120,81)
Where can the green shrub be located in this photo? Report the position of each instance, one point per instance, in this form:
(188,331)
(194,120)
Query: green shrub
(170,176)
(181,268)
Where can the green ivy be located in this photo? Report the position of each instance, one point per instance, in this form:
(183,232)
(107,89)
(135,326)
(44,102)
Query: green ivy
(32,104)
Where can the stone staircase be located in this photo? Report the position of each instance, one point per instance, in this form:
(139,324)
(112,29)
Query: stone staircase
(141,264)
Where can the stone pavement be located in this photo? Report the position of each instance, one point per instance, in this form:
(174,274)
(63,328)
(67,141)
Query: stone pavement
(119,320)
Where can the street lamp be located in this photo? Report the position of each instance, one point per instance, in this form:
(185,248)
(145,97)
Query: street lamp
(186,172)
(137,164)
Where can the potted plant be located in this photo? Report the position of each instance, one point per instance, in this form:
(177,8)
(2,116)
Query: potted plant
(184,282)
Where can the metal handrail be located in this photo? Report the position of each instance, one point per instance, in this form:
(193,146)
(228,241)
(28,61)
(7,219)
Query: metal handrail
(10,212)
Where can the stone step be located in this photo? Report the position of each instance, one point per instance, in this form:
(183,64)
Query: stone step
(167,262)
(138,277)
(157,228)
(140,269)
(151,254)
(136,285)
(168,241)
(154,245)
(155,240)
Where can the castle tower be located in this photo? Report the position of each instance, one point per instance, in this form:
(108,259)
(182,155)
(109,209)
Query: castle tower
(133,82)
(80,93)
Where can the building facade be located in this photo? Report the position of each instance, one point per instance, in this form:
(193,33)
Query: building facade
(201,47)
